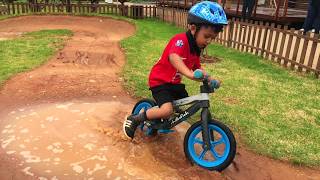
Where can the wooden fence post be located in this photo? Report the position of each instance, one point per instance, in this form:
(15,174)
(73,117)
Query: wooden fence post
(253,40)
(260,35)
(13,9)
(275,45)
(8,7)
(296,49)
(268,50)
(318,68)
(230,35)
(304,49)
(235,36)
(249,36)
(313,50)
(284,35)
(265,34)
(288,49)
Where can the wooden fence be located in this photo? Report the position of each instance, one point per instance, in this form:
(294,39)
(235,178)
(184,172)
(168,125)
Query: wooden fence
(288,47)
(133,11)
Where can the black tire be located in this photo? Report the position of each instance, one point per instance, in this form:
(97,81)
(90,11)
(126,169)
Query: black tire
(153,132)
(231,139)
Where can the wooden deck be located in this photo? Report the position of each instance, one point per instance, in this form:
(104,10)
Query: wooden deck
(264,13)
(285,16)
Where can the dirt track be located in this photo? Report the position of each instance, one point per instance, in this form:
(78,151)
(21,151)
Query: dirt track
(64,118)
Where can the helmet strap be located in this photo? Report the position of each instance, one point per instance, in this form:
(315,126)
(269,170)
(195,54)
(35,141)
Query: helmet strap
(198,26)
(192,42)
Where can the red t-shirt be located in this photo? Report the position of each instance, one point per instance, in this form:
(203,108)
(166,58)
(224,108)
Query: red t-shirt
(163,72)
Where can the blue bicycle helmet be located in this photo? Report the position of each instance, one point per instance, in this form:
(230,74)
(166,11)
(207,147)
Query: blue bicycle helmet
(207,12)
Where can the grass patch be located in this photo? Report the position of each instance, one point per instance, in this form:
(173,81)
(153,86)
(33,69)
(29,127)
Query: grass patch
(4,17)
(275,111)
(29,51)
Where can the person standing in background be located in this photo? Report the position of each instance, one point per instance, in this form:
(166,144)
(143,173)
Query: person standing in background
(247,8)
(313,17)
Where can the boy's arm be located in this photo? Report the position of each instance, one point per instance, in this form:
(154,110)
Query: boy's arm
(178,63)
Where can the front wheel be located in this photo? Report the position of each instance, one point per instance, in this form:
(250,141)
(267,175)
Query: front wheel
(223,146)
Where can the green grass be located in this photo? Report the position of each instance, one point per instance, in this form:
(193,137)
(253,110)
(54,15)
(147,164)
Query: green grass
(29,51)
(4,17)
(275,112)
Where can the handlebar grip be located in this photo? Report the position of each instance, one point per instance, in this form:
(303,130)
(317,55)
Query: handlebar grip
(198,74)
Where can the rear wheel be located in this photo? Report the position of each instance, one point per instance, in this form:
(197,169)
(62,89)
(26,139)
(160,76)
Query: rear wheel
(140,107)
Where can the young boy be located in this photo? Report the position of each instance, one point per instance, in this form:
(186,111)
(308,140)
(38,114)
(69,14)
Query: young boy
(180,57)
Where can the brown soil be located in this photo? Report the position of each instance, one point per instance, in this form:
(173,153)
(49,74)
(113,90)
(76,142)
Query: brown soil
(209,59)
(63,120)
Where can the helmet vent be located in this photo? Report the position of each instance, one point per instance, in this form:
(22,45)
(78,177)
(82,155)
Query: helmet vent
(211,10)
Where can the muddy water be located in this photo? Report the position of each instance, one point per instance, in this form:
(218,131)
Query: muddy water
(63,140)
(84,140)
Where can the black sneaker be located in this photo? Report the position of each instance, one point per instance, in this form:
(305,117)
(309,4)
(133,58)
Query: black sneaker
(130,125)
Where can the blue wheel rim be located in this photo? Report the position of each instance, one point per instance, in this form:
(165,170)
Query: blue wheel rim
(143,105)
(139,107)
(198,158)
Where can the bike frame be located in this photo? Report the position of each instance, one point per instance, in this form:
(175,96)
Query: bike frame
(200,101)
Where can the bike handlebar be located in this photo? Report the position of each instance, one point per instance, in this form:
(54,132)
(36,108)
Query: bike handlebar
(198,74)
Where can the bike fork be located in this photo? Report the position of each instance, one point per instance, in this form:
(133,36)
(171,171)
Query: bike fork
(206,134)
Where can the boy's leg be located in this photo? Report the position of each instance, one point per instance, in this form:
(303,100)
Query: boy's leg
(132,122)
(163,95)
(179,91)
(164,99)
(164,111)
